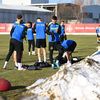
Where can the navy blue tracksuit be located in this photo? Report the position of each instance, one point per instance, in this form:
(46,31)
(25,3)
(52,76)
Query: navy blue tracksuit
(54,31)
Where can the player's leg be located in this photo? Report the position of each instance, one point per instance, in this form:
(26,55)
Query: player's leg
(51,49)
(98,39)
(11,49)
(15,58)
(29,47)
(38,45)
(44,54)
(60,54)
(19,57)
(33,47)
(39,54)
(43,45)
(19,50)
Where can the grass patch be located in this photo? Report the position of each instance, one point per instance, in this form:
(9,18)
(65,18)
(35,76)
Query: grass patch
(86,45)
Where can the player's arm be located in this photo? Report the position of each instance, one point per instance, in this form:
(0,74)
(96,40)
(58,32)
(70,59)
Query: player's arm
(65,36)
(48,31)
(46,27)
(64,29)
(34,28)
(24,33)
(12,30)
(97,30)
(59,30)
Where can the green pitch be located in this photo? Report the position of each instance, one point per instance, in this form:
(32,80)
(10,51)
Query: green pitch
(86,45)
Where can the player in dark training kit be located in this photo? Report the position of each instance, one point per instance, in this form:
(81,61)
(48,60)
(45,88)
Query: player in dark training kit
(40,29)
(30,38)
(98,34)
(54,31)
(63,36)
(16,42)
(67,47)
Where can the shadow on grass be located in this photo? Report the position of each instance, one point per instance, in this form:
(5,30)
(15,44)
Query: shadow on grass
(74,59)
(14,93)
(18,87)
(2,58)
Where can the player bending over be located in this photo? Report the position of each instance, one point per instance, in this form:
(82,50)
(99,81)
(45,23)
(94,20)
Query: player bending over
(67,47)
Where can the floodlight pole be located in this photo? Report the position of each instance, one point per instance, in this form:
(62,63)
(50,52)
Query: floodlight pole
(56,10)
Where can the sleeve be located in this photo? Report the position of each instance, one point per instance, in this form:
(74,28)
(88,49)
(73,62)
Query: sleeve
(48,31)
(24,33)
(64,28)
(12,30)
(59,30)
(97,30)
(34,28)
(45,28)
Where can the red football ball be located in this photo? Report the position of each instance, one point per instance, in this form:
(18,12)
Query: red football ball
(4,84)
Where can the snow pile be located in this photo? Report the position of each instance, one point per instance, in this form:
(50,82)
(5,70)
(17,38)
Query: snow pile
(81,81)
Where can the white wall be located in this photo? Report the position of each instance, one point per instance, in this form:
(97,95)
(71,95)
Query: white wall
(16,2)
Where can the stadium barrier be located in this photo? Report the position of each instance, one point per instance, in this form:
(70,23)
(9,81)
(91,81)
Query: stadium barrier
(84,29)
(5,28)
(70,29)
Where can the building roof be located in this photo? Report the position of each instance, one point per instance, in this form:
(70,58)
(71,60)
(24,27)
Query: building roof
(45,4)
(21,7)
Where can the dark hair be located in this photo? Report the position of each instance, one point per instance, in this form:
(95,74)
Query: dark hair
(19,16)
(54,17)
(38,18)
(30,23)
(62,20)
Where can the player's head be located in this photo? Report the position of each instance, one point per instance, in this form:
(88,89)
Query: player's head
(62,22)
(19,18)
(54,19)
(29,24)
(39,19)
